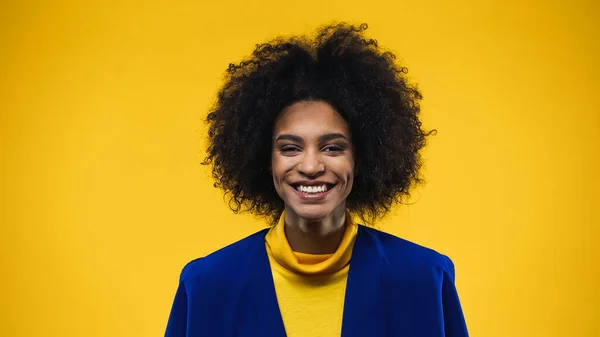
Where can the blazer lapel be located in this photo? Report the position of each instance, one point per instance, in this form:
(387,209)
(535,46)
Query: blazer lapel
(257,312)
(364,311)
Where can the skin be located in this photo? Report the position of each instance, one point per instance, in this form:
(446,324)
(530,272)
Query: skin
(312,145)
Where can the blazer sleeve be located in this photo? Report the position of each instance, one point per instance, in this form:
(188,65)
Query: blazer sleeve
(454,320)
(177,324)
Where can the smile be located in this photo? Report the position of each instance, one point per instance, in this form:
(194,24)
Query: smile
(312,192)
(312,189)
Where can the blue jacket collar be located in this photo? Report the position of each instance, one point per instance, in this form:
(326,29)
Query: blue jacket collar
(363,311)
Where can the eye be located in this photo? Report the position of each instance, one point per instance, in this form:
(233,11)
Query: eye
(333,148)
(289,150)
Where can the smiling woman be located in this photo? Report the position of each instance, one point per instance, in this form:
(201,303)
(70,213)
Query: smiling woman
(313,171)
(309,133)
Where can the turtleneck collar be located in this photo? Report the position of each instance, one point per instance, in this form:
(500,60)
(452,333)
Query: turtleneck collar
(310,264)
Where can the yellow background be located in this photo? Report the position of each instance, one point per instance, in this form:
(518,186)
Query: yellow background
(103,200)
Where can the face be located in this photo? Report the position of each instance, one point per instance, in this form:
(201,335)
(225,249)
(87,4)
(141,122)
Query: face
(312,160)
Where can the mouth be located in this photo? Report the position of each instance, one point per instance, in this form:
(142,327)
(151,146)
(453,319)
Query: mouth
(312,190)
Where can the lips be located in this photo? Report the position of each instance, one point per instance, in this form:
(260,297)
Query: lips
(312,184)
(312,191)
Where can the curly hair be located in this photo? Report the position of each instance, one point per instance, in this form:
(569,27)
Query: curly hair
(352,74)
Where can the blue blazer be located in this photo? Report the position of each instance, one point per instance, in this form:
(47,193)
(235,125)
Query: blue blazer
(394,288)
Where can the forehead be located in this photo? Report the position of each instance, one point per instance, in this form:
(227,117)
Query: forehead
(310,118)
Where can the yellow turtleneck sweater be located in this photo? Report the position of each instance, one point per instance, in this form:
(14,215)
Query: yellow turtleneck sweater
(310,288)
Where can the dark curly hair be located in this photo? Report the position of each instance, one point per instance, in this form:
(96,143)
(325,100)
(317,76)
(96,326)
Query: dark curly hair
(351,73)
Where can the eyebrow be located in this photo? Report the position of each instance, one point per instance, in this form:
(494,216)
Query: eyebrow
(322,138)
(331,136)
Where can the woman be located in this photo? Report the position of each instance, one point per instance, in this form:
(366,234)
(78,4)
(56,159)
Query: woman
(308,134)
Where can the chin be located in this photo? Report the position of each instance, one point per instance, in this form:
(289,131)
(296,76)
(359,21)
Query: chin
(313,212)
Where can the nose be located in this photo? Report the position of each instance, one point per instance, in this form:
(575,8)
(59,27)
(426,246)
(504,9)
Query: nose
(311,165)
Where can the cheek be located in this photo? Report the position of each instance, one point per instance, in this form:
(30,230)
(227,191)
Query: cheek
(277,181)
(278,169)
(275,164)
(352,167)
(350,173)
(345,170)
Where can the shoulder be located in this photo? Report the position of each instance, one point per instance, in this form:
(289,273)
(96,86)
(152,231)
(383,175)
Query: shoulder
(223,259)
(399,252)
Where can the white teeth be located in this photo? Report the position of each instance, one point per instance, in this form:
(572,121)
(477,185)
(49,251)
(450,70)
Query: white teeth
(312,189)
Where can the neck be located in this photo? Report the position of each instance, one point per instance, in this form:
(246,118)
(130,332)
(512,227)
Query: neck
(321,236)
